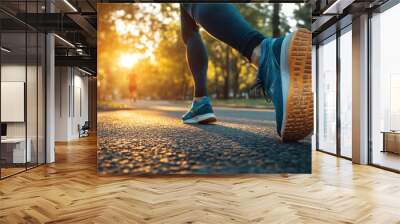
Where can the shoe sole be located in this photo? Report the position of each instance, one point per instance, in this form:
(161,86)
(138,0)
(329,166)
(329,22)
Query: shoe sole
(299,113)
(202,119)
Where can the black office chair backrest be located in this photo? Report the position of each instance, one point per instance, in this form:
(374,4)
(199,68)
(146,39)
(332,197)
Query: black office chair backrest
(86,125)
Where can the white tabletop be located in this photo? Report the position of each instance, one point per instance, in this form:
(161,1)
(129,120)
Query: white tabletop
(13,140)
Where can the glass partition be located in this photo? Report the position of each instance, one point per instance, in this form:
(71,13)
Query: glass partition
(22,91)
(346,93)
(385,89)
(327,95)
(13,94)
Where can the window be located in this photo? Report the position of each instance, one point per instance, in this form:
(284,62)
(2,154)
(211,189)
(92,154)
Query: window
(327,95)
(346,95)
(385,88)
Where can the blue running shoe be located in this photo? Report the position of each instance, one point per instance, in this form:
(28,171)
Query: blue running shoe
(200,112)
(284,74)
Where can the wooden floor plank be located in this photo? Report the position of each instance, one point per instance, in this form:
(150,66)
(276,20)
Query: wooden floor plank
(70,191)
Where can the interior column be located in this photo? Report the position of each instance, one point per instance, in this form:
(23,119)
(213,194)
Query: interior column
(360,90)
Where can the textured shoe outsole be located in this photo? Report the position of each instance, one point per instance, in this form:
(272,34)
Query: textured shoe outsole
(299,118)
(202,119)
(209,121)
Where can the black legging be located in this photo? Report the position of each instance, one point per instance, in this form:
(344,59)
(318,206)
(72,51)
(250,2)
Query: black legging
(224,22)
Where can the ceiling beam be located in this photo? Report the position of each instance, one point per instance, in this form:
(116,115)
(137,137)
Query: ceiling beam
(84,24)
(49,22)
(78,61)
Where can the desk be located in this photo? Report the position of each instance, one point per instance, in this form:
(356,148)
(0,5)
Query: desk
(391,141)
(16,147)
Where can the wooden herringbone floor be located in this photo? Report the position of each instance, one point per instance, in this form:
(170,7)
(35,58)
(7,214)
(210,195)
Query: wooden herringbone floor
(69,191)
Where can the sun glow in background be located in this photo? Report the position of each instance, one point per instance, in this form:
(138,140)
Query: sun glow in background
(128,61)
(140,34)
(126,26)
(144,40)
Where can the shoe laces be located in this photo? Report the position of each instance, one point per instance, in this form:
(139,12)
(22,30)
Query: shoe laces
(259,85)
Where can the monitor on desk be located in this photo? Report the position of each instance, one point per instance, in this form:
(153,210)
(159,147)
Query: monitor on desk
(3,130)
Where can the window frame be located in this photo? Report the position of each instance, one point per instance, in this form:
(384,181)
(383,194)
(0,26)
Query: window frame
(336,31)
(378,10)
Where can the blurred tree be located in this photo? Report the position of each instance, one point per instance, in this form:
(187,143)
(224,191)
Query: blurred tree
(275,22)
(149,37)
(303,15)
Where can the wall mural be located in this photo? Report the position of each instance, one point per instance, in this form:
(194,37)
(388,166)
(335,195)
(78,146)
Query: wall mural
(177,93)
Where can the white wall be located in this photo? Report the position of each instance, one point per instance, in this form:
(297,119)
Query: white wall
(15,72)
(62,81)
(71,87)
(80,110)
(33,127)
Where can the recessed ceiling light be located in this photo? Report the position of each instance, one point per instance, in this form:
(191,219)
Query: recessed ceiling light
(5,50)
(70,5)
(337,7)
(84,71)
(65,41)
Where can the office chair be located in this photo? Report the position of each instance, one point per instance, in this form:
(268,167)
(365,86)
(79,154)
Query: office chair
(84,130)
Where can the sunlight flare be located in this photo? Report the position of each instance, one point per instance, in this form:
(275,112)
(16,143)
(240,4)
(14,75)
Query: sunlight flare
(128,60)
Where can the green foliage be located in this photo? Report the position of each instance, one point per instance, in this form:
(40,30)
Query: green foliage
(303,15)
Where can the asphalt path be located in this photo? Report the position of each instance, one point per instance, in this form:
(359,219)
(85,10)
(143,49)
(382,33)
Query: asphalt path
(150,138)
